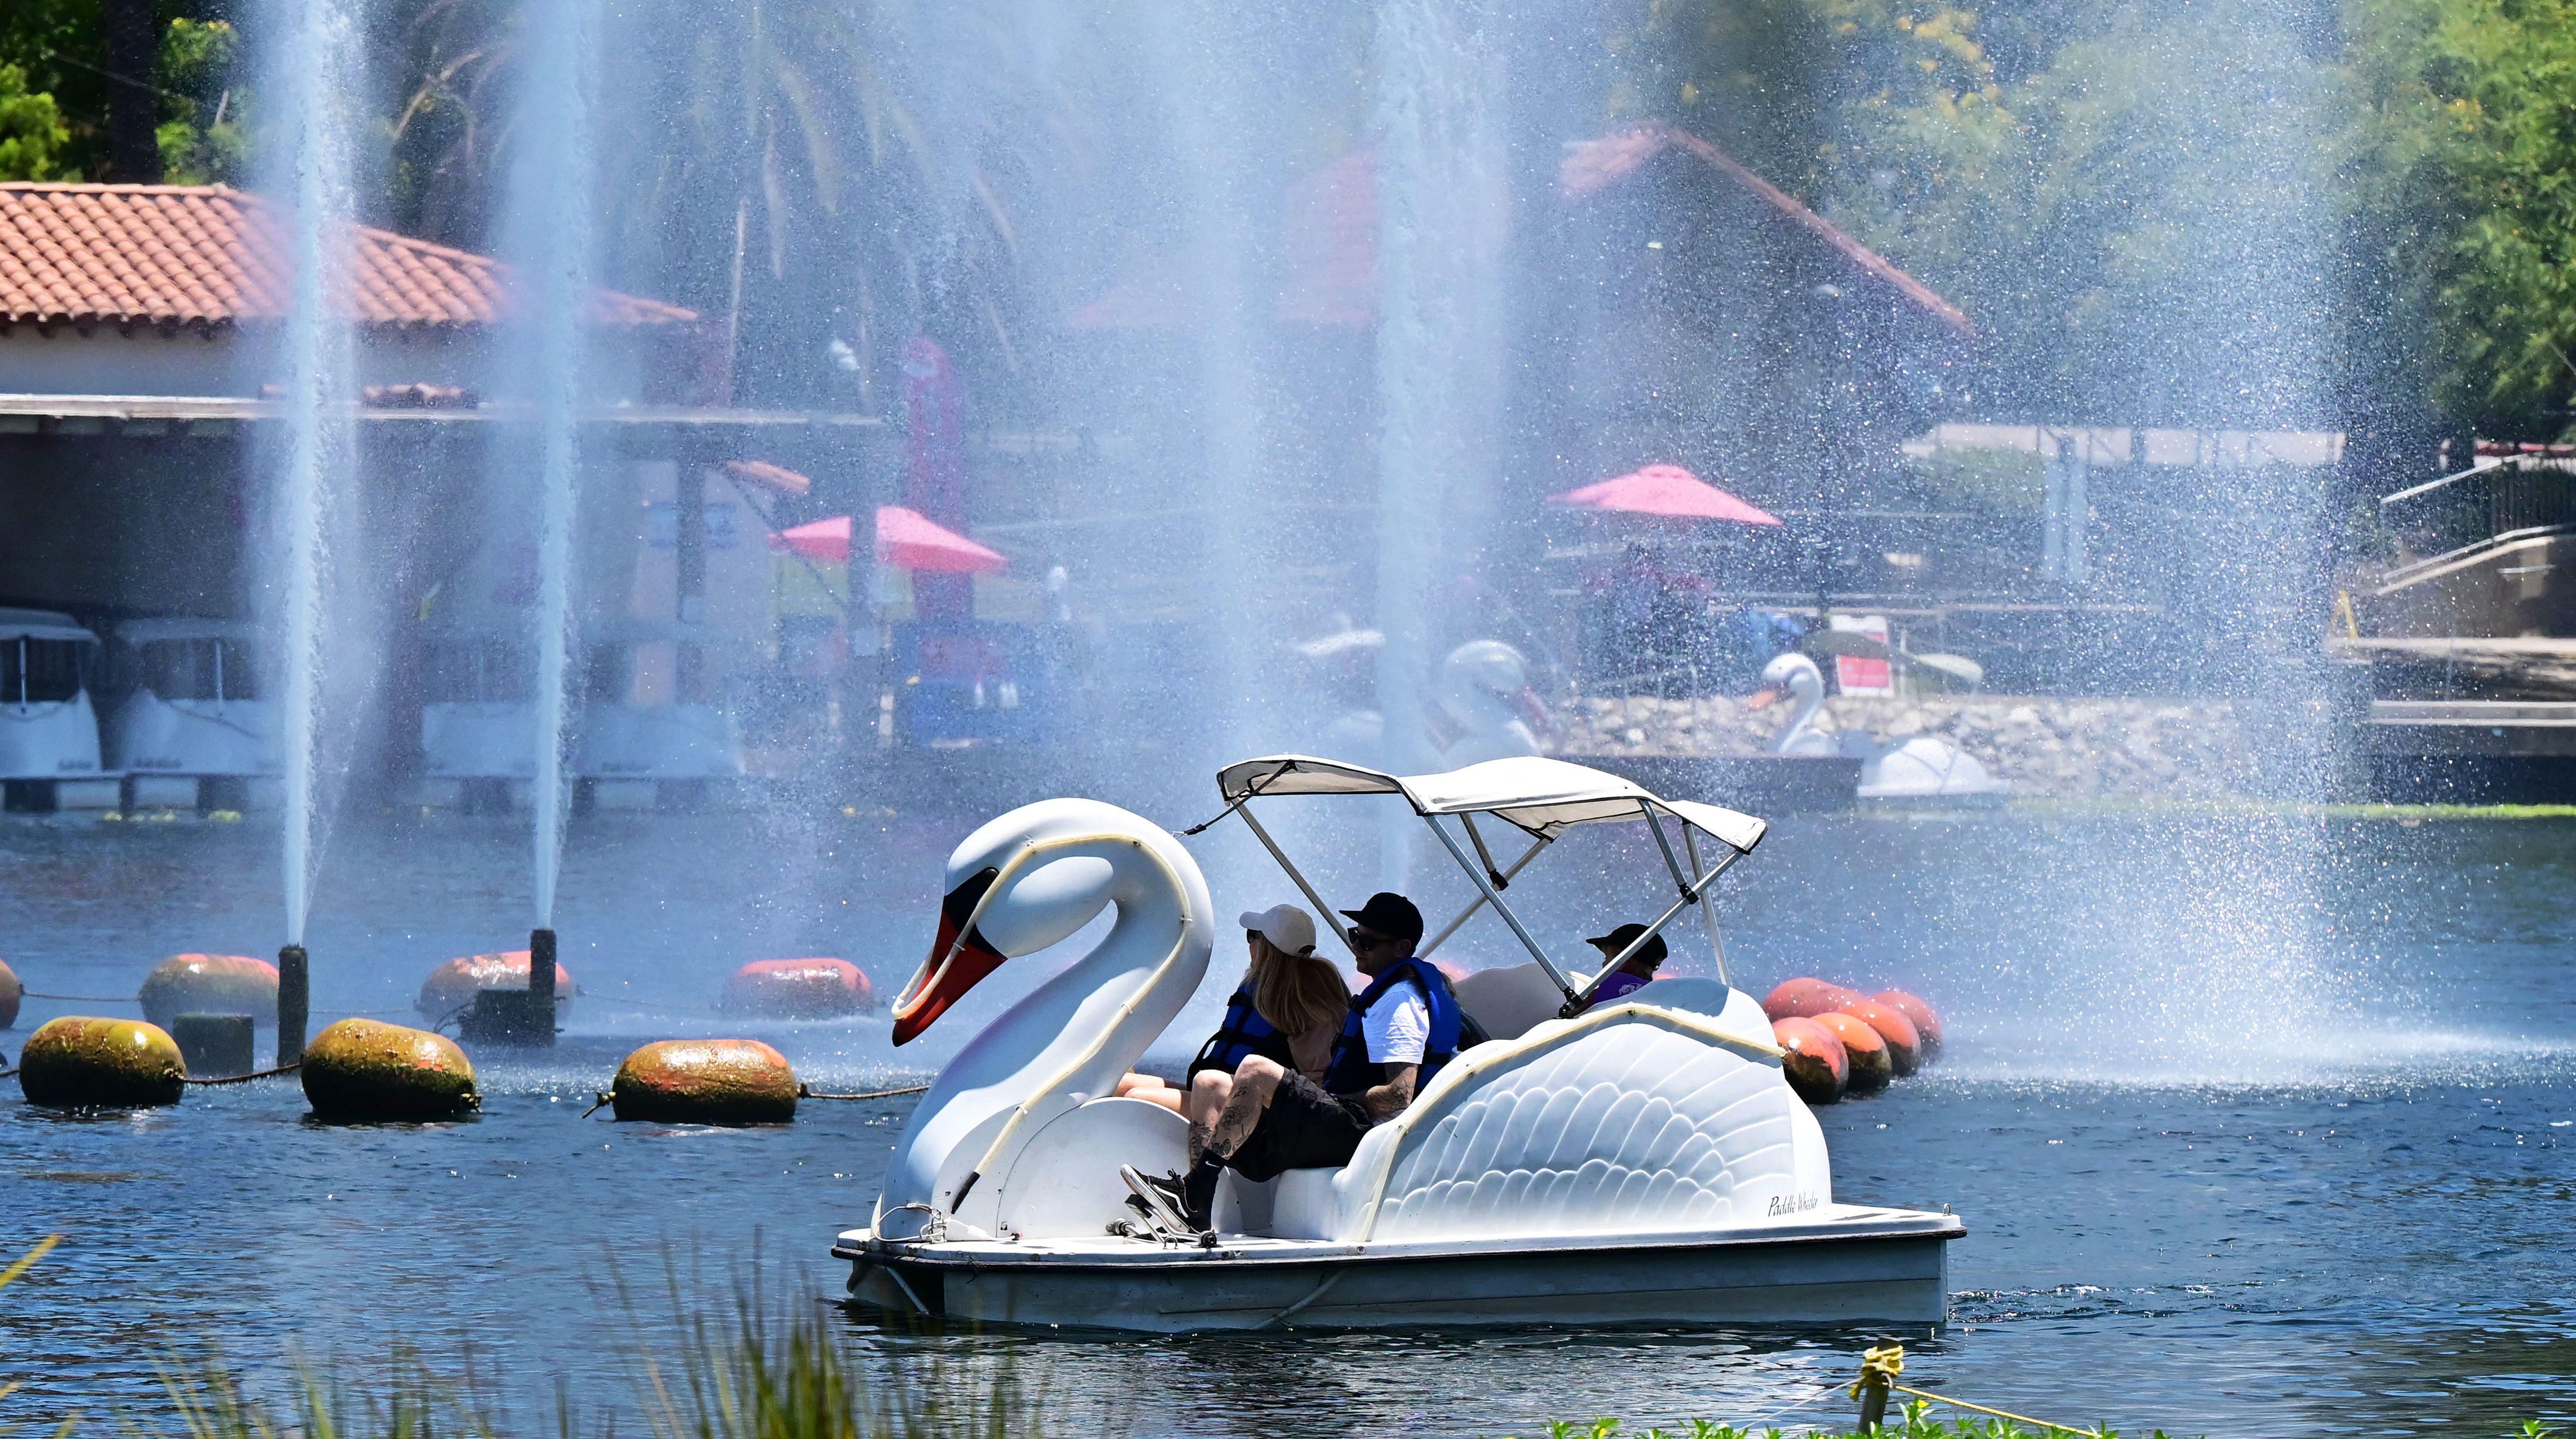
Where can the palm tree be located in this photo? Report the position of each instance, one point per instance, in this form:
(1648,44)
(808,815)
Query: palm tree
(850,171)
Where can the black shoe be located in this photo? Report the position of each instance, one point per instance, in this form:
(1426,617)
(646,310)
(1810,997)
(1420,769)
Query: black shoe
(1198,1196)
(1160,1199)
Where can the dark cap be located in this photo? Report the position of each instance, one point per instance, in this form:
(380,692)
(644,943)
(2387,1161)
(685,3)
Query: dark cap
(1653,952)
(1389,914)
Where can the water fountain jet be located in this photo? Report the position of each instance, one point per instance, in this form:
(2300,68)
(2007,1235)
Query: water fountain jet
(310,69)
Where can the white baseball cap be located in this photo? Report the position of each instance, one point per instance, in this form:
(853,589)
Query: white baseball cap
(1289,929)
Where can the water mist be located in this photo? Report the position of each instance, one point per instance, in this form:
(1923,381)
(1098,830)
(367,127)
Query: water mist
(1440,177)
(310,69)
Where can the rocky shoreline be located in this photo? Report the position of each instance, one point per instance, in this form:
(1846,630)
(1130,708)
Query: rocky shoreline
(2046,747)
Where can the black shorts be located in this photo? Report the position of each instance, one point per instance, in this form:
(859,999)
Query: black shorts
(1304,1128)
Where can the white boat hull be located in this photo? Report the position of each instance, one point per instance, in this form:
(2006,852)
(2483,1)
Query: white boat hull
(1855,1265)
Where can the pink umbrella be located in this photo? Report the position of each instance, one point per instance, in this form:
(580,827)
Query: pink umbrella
(909,539)
(904,539)
(825,540)
(1663,490)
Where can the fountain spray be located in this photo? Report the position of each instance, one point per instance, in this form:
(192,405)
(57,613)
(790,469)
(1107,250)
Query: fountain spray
(1441,219)
(552,209)
(309,67)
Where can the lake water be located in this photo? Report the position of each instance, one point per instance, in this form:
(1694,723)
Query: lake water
(2260,1126)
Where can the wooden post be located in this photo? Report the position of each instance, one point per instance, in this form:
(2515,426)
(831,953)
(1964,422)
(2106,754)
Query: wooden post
(1873,1401)
(294,1002)
(541,986)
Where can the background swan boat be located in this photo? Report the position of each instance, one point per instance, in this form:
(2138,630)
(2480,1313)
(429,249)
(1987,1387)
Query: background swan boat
(1642,1162)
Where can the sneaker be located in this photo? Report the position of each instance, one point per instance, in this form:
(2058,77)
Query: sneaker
(1160,1198)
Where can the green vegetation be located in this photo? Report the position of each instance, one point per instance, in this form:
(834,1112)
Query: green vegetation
(204,140)
(764,1374)
(32,133)
(2122,197)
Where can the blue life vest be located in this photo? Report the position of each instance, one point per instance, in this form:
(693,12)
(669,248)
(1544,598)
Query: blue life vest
(1242,1034)
(1353,1071)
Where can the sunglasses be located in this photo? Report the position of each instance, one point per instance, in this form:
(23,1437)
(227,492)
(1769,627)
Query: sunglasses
(1369,938)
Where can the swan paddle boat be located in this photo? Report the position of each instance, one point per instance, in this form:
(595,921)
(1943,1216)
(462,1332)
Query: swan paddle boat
(1916,767)
(1641,1162)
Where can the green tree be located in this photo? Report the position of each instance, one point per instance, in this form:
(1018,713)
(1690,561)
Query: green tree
(2133,203)
(203,140)
(32,133)
(2465,151)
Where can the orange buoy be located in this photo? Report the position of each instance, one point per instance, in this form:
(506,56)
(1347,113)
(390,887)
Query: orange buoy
(11,992)
(1927,1021)
(1904,1048)
(364,1070)
(1816,1065)
(705,1081)
(83,1062)
(1870,1068)
(210,984)
(451,987)
(799,989)
(1806,998)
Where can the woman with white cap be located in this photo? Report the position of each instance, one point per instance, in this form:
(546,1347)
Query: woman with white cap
(1290,1007)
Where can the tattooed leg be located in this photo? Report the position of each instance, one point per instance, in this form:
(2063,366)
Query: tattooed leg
(1255,1080)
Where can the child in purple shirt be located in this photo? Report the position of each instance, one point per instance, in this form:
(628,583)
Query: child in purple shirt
(1640,967)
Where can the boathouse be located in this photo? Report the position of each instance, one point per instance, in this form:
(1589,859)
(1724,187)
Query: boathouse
(139,376)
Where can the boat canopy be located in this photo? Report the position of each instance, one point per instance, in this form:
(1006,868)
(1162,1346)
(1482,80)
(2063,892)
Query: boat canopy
(43,625)
(161,631)
(1545,797)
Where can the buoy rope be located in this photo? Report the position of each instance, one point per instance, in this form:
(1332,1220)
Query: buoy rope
(803,1092)
(5,1073)
(246,1078)
(84,998)
(1882,1365)
(609,1097)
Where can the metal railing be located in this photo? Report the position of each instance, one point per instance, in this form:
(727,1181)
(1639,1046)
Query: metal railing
(2444,516)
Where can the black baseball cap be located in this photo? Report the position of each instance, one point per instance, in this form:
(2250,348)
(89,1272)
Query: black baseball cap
(1653,951)
(1390,914)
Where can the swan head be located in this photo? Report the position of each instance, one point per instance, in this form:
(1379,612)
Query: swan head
(1005,899)
(1792,674)
(1496,671)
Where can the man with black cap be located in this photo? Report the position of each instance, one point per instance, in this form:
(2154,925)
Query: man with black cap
(1640,967)
(1402,1029)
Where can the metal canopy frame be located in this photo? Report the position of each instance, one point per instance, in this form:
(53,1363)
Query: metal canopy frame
(1557,797)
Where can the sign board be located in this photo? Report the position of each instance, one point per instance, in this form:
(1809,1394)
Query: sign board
(1855,675)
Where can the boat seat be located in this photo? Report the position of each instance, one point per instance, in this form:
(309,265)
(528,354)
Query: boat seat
(1294,1205)
(1301,1204)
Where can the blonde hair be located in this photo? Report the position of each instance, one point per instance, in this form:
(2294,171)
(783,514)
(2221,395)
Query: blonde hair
(1296,993)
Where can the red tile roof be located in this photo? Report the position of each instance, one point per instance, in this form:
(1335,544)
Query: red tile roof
(1329,238)
(204,255)
(1596,165)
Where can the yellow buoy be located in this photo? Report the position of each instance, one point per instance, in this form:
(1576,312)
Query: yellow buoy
(362,1069)
(11,992)
(705,1081)
(82,1062)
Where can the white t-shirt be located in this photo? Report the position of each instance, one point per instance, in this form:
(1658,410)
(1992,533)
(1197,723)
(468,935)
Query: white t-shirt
(1398,1027)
